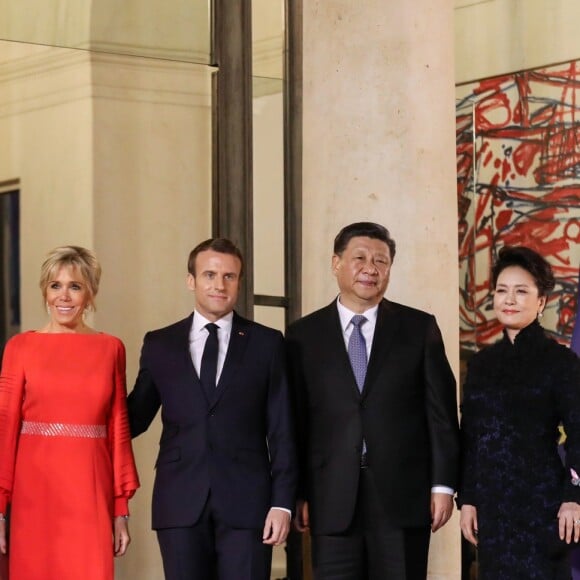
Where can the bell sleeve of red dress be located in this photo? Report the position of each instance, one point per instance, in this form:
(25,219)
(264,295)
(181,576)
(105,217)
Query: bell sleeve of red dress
(12,381)
(126,480)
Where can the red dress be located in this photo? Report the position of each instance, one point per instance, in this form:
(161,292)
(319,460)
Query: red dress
(66,464)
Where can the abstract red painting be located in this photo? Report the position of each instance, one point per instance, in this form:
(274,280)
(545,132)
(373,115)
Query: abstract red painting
(518,182)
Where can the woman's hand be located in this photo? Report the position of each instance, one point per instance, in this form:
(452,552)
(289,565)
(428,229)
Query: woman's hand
(569,521)
(468,523)
(121,537)
(3,544)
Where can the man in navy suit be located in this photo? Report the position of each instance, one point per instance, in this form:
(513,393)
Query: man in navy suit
(226,470)
(377,421)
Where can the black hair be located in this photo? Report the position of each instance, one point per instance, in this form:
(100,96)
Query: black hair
(366,230)
(530,261)
(221,245)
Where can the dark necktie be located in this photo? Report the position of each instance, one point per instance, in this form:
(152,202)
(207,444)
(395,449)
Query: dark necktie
(208,371)
(357,351)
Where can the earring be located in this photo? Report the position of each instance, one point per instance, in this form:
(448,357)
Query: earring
(540,314)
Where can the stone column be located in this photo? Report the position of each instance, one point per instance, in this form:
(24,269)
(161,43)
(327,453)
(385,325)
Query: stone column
(379,145)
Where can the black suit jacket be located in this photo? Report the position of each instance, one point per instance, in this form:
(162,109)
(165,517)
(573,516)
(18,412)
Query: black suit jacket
(407,414)
(239,443)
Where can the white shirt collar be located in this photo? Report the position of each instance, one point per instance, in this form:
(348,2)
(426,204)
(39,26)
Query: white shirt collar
(200,321)
(346,315)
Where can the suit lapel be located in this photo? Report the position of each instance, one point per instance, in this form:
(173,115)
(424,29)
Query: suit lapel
(241,329)
(333,336)
(182,339)
(385,332)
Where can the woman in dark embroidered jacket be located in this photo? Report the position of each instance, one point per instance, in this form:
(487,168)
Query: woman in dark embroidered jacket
(519,504)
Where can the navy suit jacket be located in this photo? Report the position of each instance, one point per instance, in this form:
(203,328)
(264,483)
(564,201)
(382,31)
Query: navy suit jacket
(407,414)
(237,444)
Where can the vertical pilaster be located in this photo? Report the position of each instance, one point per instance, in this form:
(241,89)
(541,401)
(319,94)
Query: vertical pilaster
(293,159)
(232,143)
(379,145)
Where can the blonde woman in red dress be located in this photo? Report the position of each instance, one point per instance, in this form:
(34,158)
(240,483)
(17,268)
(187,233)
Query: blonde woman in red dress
(66,464)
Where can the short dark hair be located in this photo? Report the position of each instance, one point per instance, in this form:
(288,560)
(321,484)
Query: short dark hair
(221,245)
(530,261)
(365,230)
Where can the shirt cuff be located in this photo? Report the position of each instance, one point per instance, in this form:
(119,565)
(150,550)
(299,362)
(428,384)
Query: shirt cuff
(283,509)
(442,489)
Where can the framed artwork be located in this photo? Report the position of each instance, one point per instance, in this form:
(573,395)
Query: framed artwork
(518,183)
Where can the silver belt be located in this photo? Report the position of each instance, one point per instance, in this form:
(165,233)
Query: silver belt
(63,430)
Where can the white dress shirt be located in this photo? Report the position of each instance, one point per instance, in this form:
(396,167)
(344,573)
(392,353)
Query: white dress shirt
(198,335)
(367,329)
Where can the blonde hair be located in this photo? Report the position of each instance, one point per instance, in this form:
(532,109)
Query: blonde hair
(80,259)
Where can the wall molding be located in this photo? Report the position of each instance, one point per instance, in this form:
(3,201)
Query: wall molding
(52,77)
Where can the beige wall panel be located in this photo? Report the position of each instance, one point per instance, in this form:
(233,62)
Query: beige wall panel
(46,127)
(268,158)
(172,29)
(152,183)
(267,38)
(499,36)
(52,22)
(379,144)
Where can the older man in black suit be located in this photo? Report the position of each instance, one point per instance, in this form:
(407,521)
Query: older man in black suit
(377,421)
(226,471)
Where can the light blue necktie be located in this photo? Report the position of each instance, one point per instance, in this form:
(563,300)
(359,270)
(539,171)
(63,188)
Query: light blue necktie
(357,351)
